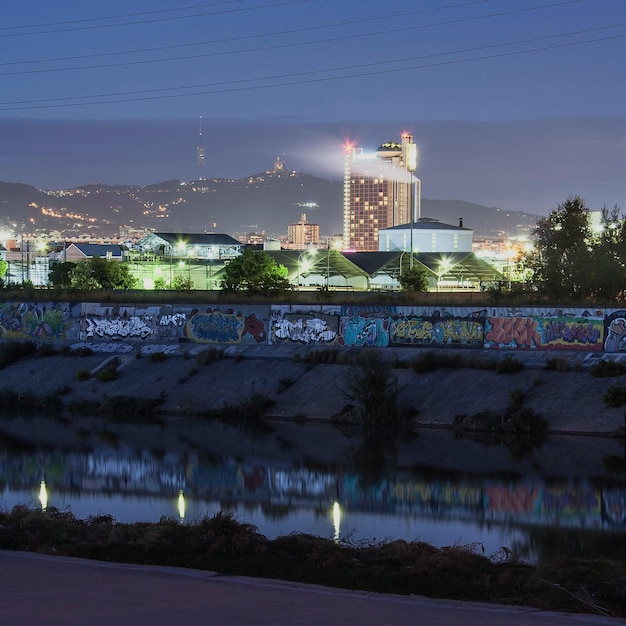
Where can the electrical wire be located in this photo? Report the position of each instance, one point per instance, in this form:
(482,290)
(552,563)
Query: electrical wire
(244,37)
(287,45)
(291,83)
(163,19)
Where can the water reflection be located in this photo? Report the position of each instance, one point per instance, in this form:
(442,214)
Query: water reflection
(43,495)
(522,511)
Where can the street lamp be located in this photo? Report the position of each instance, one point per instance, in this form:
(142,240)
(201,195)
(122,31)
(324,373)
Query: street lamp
(444,266)
(411,166)
(304,266)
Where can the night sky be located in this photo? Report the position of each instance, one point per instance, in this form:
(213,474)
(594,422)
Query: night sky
(513,103)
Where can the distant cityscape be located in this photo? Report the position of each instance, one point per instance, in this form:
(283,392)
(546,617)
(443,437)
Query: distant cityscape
(197,226)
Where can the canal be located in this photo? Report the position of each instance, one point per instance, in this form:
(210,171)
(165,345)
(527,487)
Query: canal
(565,498)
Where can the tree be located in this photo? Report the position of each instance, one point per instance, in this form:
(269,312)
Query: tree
(609,256)
(182,283)
(60,274)
(98,273)
(4,266)
(413,279)
(570,261)
(256,272)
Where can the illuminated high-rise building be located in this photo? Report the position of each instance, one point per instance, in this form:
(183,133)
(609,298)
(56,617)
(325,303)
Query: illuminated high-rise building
(378,191)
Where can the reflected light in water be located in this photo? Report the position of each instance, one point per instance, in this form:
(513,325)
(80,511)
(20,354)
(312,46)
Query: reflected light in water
(181,505)
(336,520)
(43,495)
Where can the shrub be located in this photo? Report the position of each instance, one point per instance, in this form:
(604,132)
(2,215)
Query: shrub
(285,382)
(107,374)
(81,351)
(208,355)
(82,375)
(615,396)
(606,368)
(516,399)
(509,365)
(557,364)
(158,357)
(13,351)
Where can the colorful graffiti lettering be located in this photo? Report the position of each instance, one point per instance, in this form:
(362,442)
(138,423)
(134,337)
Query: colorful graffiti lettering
(254,327)
(412,331)
(364,331)
(116,328)
(615,334)
(572,333)
(512,332)
(215,327)
(515,500)
(304,329)
(567,503)
(34,321)
(177,319)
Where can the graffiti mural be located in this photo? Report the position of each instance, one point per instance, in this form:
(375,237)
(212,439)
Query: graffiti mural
(21,320)
(307,325)
(545,330)
(224,327)
(615,332)
(449,332)
(360,330)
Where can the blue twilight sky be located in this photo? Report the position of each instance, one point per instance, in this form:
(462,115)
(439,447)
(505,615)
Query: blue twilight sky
(513,103)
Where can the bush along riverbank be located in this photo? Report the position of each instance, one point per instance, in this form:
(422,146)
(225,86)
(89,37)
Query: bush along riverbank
(224,545)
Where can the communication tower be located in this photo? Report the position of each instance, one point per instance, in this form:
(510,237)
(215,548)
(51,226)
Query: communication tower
(201,154)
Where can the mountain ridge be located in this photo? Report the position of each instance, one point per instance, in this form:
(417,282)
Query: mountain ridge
(269,201)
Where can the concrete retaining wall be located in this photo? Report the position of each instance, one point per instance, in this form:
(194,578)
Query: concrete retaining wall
(493,328)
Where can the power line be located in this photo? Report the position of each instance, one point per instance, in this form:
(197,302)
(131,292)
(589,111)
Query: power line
(282,46)
(291,83)
(149,21)
(247,37)
(118,17)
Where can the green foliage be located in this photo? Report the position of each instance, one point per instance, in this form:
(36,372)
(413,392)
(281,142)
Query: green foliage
(208,355)
(509,365)
(256,273)
(615,396)
(159,283)
(572,261)
(158,357)
(98,273)
(607,368)
(4,266)
(13,351)
(107,374)
(82,375)
(60,274)
(413,279)
(182,283)
(557,364)
(375,392)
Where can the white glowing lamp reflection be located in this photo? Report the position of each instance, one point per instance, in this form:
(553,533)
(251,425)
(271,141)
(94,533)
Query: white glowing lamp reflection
(43,495)
(336,521)
(181,505)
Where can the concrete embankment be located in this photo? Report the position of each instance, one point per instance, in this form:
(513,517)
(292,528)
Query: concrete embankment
(570,401)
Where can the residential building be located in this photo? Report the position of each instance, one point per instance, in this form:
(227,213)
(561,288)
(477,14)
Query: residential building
(302,234)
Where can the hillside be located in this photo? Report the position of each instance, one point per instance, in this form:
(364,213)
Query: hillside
(265,202)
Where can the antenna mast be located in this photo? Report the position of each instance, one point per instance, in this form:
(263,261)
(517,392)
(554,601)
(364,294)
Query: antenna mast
(201,153)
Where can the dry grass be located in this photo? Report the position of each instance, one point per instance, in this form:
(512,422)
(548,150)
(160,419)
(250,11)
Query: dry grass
(223,544)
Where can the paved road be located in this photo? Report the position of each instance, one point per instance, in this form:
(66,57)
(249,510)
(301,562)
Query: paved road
(37,589)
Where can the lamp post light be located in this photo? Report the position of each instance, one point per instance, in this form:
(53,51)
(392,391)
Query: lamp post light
(411,166)
(304,266)
(444,266)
